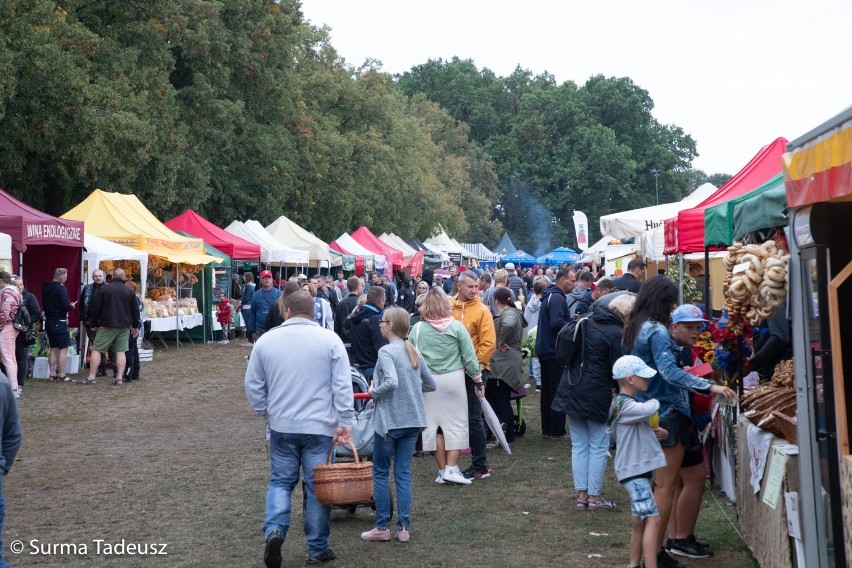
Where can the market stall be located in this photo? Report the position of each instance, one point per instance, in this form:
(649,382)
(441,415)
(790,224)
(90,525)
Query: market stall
(173,260)
(432,257)
(104,254)
(42,243)
(365,260)
(272,252)
(371,242)
(442,241)
(412,256)
(635,222)
(286,231)
(818,183)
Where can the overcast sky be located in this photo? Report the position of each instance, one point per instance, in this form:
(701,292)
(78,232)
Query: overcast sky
(734,75)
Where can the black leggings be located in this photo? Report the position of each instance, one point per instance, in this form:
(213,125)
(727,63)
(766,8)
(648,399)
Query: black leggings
(497,394)
(21,349)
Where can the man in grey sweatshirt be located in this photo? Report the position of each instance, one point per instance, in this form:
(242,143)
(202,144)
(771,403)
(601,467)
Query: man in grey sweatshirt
(298,378)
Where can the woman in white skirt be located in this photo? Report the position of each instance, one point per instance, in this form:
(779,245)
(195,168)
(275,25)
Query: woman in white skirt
(448,351)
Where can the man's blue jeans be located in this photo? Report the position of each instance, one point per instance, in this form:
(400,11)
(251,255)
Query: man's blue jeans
(287,454)
(589,446)
(399,444)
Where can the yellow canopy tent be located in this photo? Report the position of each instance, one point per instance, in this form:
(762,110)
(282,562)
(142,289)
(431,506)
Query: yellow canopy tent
(122,219)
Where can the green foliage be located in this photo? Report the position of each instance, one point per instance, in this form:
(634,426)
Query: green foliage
(691,293)
(239,109)
(559,148)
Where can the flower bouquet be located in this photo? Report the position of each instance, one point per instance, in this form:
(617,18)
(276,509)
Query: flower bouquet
(528,346)
(721,347)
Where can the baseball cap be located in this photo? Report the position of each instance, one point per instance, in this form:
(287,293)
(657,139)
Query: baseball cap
(509,266)
(687,313)
(302,277)
(266,273)
(630,365)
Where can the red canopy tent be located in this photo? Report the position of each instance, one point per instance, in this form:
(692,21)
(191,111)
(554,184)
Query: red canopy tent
(373,243)
(194,224)
(685,233)
(43,243)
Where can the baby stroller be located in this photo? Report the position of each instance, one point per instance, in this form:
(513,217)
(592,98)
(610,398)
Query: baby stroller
(520,423)
(362,436)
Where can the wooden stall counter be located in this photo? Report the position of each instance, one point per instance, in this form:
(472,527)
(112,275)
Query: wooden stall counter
(765,528)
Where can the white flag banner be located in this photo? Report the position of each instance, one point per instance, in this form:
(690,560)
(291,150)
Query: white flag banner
(581,229)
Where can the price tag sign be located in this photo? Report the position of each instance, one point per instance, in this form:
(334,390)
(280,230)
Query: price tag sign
(742,267)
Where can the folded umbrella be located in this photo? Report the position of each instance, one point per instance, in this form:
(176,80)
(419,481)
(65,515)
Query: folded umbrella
(494,424)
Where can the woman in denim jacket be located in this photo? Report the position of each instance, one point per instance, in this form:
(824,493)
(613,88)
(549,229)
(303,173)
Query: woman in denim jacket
(647,336)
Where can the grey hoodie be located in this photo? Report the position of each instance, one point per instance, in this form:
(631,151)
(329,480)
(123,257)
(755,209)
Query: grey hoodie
(531,313)
(299,378)
(637,450)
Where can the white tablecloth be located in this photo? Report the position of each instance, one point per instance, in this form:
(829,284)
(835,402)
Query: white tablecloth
(178,322)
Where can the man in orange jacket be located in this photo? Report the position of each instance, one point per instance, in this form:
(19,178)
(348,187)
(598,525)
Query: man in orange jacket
(477,319)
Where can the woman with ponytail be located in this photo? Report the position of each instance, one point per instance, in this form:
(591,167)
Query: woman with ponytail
(399,381)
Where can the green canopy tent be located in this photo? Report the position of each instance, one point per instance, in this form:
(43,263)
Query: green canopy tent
(202,291)
(761,208)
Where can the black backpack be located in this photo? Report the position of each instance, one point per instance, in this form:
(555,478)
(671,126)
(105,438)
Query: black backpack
(22,320)
(569,341)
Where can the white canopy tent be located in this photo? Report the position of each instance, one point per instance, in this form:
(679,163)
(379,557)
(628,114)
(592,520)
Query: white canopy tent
(352,246)
(271,250)
(97,250)
(654,241)
(289,233)
(398,244)
(444,243)
(635,222)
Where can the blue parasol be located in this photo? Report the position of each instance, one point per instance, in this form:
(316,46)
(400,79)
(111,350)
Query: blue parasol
(559,256)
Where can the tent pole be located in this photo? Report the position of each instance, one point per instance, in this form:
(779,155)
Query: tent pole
(706,290)
(680,277)
(177,298)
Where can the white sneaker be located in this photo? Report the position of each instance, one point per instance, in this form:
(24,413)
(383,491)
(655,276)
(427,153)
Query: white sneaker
(453,475)
(440,478)
(17,393)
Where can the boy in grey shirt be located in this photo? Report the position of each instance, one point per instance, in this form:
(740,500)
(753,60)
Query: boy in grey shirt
(638,453)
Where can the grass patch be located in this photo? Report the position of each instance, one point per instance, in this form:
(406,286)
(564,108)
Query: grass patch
(179,458)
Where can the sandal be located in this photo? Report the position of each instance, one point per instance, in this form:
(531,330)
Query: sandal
(601,503)
(117,382)
(53,377)
(89,381)
(582,504)
(64,378)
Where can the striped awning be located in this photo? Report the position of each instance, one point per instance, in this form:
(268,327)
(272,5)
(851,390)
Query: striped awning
(818,166)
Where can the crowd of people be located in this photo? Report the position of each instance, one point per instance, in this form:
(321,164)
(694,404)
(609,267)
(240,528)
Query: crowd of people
(432,349)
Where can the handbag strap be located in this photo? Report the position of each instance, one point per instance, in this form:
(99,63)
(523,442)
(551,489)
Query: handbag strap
(354,453)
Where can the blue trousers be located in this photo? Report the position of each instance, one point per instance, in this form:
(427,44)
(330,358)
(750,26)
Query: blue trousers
(288,453)
(398,444)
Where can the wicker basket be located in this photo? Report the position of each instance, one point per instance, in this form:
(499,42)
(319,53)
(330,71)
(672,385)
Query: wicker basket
(788,426)
(343,483)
